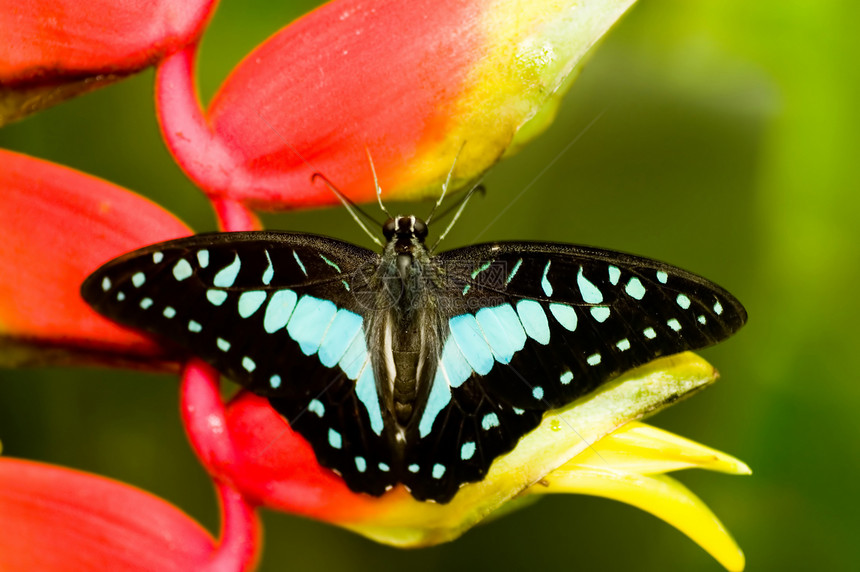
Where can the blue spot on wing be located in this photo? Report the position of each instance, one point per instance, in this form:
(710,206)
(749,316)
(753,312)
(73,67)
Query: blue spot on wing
(334,439)
(513,271)
(278,310)
(309,322)
(565,315)
(454,365)
(269,272)
(182,270)
(316,407)
(502,328)
(440,396)
(365,390)
(634,288)
(343,329)
(600,313)
(227,276)
(589,291)
(361,464)
(513,327)
(471,341)
(330,263)
(216,297)
(452,371)
(250,302)
(534,320)
(299,262)
(467,451)
(354,357)
(547,287)
(489,421)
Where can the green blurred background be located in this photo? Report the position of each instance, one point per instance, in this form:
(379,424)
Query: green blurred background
(726,142)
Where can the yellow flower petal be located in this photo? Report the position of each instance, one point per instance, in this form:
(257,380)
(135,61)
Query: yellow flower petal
(660,495)
(640,448)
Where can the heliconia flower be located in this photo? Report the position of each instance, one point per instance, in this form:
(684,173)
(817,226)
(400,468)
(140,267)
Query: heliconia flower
(56,226)
(414,83)
(55,49)
(587,447)
(56,519)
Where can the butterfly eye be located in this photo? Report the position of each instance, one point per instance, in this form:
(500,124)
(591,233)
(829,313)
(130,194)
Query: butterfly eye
(420,228)
(389,228)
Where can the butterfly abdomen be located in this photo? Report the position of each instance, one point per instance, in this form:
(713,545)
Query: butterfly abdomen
(406,331)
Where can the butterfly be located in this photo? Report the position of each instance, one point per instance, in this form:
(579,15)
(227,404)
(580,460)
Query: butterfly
(408,367)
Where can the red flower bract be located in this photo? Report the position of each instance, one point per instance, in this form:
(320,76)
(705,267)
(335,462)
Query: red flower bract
(55,49)
(414,83)
(57,225)
(345,78)
(59,519)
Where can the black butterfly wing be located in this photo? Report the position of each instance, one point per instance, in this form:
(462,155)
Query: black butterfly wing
(534,326)
(280,313)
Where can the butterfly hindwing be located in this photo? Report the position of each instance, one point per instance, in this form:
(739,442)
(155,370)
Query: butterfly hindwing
(337,424)
(533,327)
(275,312)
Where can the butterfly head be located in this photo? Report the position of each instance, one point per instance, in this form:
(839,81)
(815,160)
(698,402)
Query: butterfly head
(404,229)
(405,236)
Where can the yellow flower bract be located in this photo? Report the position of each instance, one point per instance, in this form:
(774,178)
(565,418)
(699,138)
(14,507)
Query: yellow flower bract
(529,56)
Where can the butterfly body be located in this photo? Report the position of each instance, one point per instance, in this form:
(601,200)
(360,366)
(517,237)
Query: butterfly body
(405,366)
(405,327)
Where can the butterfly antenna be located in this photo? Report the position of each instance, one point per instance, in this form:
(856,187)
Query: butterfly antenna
(376,184)
(353,209)
(446,185)
(477,188)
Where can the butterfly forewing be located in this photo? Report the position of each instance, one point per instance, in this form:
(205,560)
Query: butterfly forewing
(534,326)
(276,312)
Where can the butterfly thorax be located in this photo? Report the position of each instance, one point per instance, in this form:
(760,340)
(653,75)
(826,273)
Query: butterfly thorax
(404,324)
